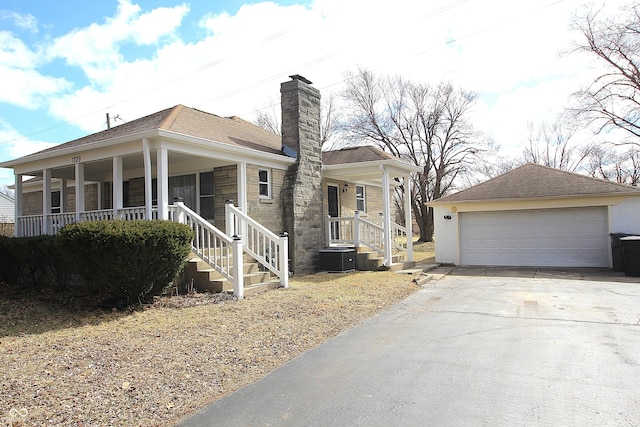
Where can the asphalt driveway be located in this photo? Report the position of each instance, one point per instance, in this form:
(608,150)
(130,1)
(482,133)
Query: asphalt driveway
(477,346)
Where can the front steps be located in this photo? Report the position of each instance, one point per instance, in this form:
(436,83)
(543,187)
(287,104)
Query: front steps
(367,260)
(207,279)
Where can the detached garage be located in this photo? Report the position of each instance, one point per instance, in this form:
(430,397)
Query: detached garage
(535,216)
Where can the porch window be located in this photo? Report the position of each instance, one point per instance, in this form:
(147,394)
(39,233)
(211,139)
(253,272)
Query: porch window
(183,187)
(361,205)
(264,182)
(55,202)
(206,196)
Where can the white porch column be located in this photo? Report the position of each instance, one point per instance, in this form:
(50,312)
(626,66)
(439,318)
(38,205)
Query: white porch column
(63,195)
(148,179)
(46,200)
(116,186)
(408,222)
(163,183)
(242,187)
(18,231)
(79,190)
(386,218)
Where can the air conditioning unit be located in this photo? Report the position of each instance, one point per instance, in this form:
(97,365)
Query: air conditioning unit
(337,259)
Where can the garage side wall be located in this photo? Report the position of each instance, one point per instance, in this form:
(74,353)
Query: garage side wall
(446,236)
(625,217)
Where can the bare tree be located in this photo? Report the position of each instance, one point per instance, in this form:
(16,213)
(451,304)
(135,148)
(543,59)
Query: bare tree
(426,125)
(7,191)
(623,168)
(269,118)
(554,145)
(612,101)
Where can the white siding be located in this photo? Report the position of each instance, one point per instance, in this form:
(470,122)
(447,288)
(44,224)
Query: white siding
(445,235)
(7,209)
(625,217)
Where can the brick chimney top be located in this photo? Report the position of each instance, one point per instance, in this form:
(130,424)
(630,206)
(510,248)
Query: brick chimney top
(302,79)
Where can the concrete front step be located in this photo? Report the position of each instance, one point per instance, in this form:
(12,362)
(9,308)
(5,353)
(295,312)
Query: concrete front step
(207,279)
(372,261)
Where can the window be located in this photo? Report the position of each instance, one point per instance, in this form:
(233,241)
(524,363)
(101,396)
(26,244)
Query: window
(206,196)
(264,182)
(361,206)
(183,188)
(55,202)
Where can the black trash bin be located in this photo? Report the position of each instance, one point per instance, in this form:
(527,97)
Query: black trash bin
(631,255)
(616,250)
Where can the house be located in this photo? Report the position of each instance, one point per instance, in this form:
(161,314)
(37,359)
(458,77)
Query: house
(7,209)
(231,180)
(535,216)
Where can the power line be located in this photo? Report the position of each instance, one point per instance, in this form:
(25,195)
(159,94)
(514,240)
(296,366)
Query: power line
(266,40)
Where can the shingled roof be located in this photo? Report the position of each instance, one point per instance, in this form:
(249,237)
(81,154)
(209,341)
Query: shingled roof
(190,122)
(533,181)
(355,155)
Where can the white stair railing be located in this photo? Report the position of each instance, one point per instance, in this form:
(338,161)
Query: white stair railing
(359,231)
(220,251)
(269,249)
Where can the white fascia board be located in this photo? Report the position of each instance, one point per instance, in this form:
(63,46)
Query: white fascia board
(72,151)
(525,204)
(208,148)
(397,167)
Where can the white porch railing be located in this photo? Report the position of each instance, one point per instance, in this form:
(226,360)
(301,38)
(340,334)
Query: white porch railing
(358,231)
(220,251)
(32,225)
(269,249)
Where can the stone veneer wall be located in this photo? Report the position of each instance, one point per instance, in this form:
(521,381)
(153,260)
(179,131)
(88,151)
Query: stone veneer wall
(32,201)
(225,187)
(265,210)
(302,191)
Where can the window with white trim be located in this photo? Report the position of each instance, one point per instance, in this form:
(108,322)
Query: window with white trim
(361,205)
(264,183)
(55,202)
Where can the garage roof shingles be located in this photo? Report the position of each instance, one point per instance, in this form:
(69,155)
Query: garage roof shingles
(533,181)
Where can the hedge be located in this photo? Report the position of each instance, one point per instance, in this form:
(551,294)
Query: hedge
(132,260)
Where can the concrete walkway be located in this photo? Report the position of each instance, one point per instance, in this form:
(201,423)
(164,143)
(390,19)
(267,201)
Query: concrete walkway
(505,348)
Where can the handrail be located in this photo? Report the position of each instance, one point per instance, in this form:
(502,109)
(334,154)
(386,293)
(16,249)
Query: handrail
(371,234)
(220,251)
(269,249)
(358,230)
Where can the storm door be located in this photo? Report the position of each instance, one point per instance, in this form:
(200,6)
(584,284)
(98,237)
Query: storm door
(334,209)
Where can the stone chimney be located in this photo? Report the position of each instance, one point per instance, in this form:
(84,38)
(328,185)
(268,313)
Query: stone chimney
(302,189)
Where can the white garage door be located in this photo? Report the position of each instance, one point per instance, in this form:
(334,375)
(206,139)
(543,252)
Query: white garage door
(544,237)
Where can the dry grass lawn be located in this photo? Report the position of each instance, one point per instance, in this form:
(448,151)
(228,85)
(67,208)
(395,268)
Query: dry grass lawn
(63,364)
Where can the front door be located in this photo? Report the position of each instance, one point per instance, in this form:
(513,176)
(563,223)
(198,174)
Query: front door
(334,209)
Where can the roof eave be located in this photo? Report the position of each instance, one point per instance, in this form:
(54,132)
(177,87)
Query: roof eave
(79,148)
(445,202)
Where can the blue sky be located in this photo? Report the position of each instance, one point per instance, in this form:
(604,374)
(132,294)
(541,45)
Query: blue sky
(64,65)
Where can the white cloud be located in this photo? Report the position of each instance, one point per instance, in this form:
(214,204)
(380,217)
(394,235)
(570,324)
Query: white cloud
(17,145)
(22,21)
(96,48)
(507,50)
(24,85)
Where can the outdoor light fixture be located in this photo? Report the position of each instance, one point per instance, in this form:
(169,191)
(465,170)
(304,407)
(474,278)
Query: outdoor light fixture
(345,188)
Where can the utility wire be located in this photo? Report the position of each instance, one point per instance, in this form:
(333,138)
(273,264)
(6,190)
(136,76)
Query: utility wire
(268,39)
